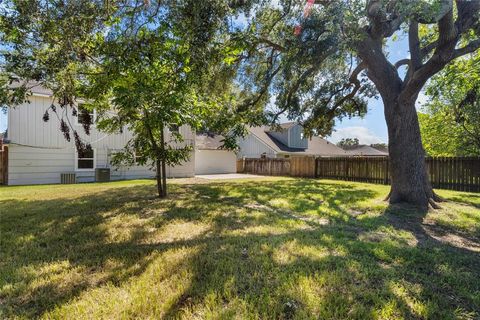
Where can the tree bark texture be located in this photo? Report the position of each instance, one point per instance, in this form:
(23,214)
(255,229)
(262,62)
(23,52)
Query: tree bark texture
(409,179)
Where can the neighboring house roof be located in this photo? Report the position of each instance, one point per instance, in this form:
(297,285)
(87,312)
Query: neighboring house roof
(319,146)
(34,87)
(208,142)
(261,134)
(287,125)
(380,148)
(316,145)
(364,150)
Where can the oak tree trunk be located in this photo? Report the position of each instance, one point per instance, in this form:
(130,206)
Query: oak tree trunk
(409,179)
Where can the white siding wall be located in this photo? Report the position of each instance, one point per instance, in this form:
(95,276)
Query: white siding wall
(39,153)
(252,147)
(215,161)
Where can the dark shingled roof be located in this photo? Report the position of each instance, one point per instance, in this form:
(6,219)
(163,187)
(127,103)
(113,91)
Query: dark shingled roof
(316,146)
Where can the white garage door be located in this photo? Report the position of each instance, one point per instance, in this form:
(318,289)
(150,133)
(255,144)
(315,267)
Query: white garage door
(215,161)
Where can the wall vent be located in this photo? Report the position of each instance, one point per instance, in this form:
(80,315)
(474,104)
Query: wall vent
(68,178)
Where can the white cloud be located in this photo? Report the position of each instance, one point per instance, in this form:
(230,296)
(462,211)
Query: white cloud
(364,135)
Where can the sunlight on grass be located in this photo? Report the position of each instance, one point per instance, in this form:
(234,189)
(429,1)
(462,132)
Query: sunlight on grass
(273,248)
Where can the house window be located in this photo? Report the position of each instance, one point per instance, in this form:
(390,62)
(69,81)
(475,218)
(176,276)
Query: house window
(137,158)
(85,116)
(85,159)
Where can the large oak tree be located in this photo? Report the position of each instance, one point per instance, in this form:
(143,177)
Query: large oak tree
(322,62)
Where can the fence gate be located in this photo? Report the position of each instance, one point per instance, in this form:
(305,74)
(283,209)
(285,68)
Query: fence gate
(3,165)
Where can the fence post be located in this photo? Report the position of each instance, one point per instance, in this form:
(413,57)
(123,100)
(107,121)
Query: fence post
(4,165)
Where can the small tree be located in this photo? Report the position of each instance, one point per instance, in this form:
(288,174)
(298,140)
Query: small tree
(143,65)
(148,89)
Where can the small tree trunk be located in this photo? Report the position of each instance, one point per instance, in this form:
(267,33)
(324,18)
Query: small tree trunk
(164,173)
(159,178)
(164,179)
(409,179)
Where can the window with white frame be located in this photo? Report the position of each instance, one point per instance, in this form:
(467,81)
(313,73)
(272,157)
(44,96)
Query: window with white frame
(138,158)
(85,159)
(85,116)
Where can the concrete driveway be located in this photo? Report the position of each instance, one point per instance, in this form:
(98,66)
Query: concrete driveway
(228,176)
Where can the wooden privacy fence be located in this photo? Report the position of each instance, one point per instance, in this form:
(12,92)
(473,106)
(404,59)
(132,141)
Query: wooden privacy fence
(295,167)
(362,169)
(454,173)
(268,167)
(3,164)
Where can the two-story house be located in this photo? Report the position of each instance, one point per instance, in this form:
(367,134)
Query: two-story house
(286,141)
(39,154)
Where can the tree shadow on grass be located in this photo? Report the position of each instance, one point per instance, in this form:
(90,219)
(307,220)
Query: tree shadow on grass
(71,234)
(303,269)
(427,232)
(467,198)
(378,272)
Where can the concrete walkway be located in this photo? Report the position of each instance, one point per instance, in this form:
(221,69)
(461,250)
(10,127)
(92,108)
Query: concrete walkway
(225,176)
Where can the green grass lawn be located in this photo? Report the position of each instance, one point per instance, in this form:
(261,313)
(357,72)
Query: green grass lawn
(273,248)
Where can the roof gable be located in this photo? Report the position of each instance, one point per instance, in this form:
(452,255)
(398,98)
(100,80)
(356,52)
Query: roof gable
(316,146)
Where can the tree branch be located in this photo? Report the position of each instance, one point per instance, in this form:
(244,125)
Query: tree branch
(469,48)
(428,48)
(466,14)
(414,46)
(447,31)
(356,85)
(379,69)
(301,79)
(402,62)
(272,44)
(443,54)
